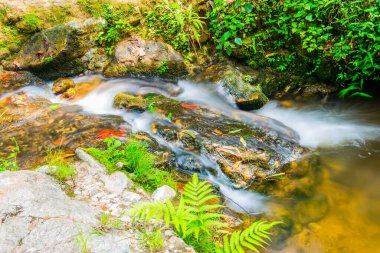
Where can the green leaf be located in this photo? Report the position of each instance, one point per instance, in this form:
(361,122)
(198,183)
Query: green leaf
(309,17)
(248,8)
(238,41)
(54,107)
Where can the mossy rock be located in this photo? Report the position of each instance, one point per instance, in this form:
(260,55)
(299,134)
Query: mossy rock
(137,57)
(57,52)
(61,85)
(200,130)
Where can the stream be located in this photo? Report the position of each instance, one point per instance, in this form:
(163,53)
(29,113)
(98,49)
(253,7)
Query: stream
(340,213)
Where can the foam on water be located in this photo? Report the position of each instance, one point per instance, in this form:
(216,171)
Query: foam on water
(320,127)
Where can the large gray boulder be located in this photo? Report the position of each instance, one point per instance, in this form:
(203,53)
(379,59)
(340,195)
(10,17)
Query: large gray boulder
(37,216)
(137,57)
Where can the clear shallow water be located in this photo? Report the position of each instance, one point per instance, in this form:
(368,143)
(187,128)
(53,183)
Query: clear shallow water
(346,140)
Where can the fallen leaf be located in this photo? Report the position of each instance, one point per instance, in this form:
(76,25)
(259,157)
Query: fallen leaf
(153,128)
(187,106)
(217,131)
(234,131)
(5,101)
(243,142)
(60,141)
(54,107)
(107,133)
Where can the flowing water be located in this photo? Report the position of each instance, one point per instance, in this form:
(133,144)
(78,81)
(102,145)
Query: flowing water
(342,214)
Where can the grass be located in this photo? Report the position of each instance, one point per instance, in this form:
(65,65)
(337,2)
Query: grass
(153,240)
(137,160)
(10,162)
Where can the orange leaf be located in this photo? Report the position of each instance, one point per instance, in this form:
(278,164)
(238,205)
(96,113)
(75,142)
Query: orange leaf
(60,141)
(107,133)
(217,131)
(187,106)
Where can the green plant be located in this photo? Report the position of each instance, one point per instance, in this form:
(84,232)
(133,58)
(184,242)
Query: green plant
(58,167)
(106,222)
(177,23)
(254,237)
(136,159)
(82,241)
(163,67)
(197,220)
(153,240)
(30,22)
(303,34)
(49,59)
(10,162)
(117,26)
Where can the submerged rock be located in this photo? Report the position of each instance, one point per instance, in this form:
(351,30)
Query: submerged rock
(235,81)
(11,80)
(245,149)
(137,57)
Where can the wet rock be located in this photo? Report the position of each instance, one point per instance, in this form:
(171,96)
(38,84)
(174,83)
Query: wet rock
(11,80)
(61,85)
(217,139)
(137,57)
(57,52)
(163,193)
(235,81)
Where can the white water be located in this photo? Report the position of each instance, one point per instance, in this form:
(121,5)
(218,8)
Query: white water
(315,127)
(319,127)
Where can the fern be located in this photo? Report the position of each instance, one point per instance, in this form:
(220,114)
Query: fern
(254,237)
(195,218)
(192,216)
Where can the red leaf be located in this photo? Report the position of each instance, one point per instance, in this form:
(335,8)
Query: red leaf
(60,141)
(187,106)
(107,133)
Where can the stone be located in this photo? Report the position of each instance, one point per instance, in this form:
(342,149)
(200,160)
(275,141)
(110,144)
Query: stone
(57,51)
(137,57)
(235,82)
(163,193)
(61,85)
(117,183)
(13,80)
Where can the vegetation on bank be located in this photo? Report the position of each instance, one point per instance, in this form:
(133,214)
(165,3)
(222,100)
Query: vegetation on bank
(335,41)
(135,159)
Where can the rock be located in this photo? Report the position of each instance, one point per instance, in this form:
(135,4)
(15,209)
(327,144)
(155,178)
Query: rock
(311,210)
(266,147)
(235,81)
(61,85)
(11,80)
(38,215)
(137,57)
(4,53)
(117,183)
(163,193)
(57,52)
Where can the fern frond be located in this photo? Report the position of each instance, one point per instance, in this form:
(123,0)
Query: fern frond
(254,237)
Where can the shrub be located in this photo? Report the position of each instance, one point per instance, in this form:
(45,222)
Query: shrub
(304,32)
(178,23)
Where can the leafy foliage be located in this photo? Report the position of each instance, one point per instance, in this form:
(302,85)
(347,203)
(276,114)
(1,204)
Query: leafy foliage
(117,24)
(153,240)
(196,219)
(178,23)
(10,162)
(304,33)
(192,216)
(254,237)
(136,159)
(59,168)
